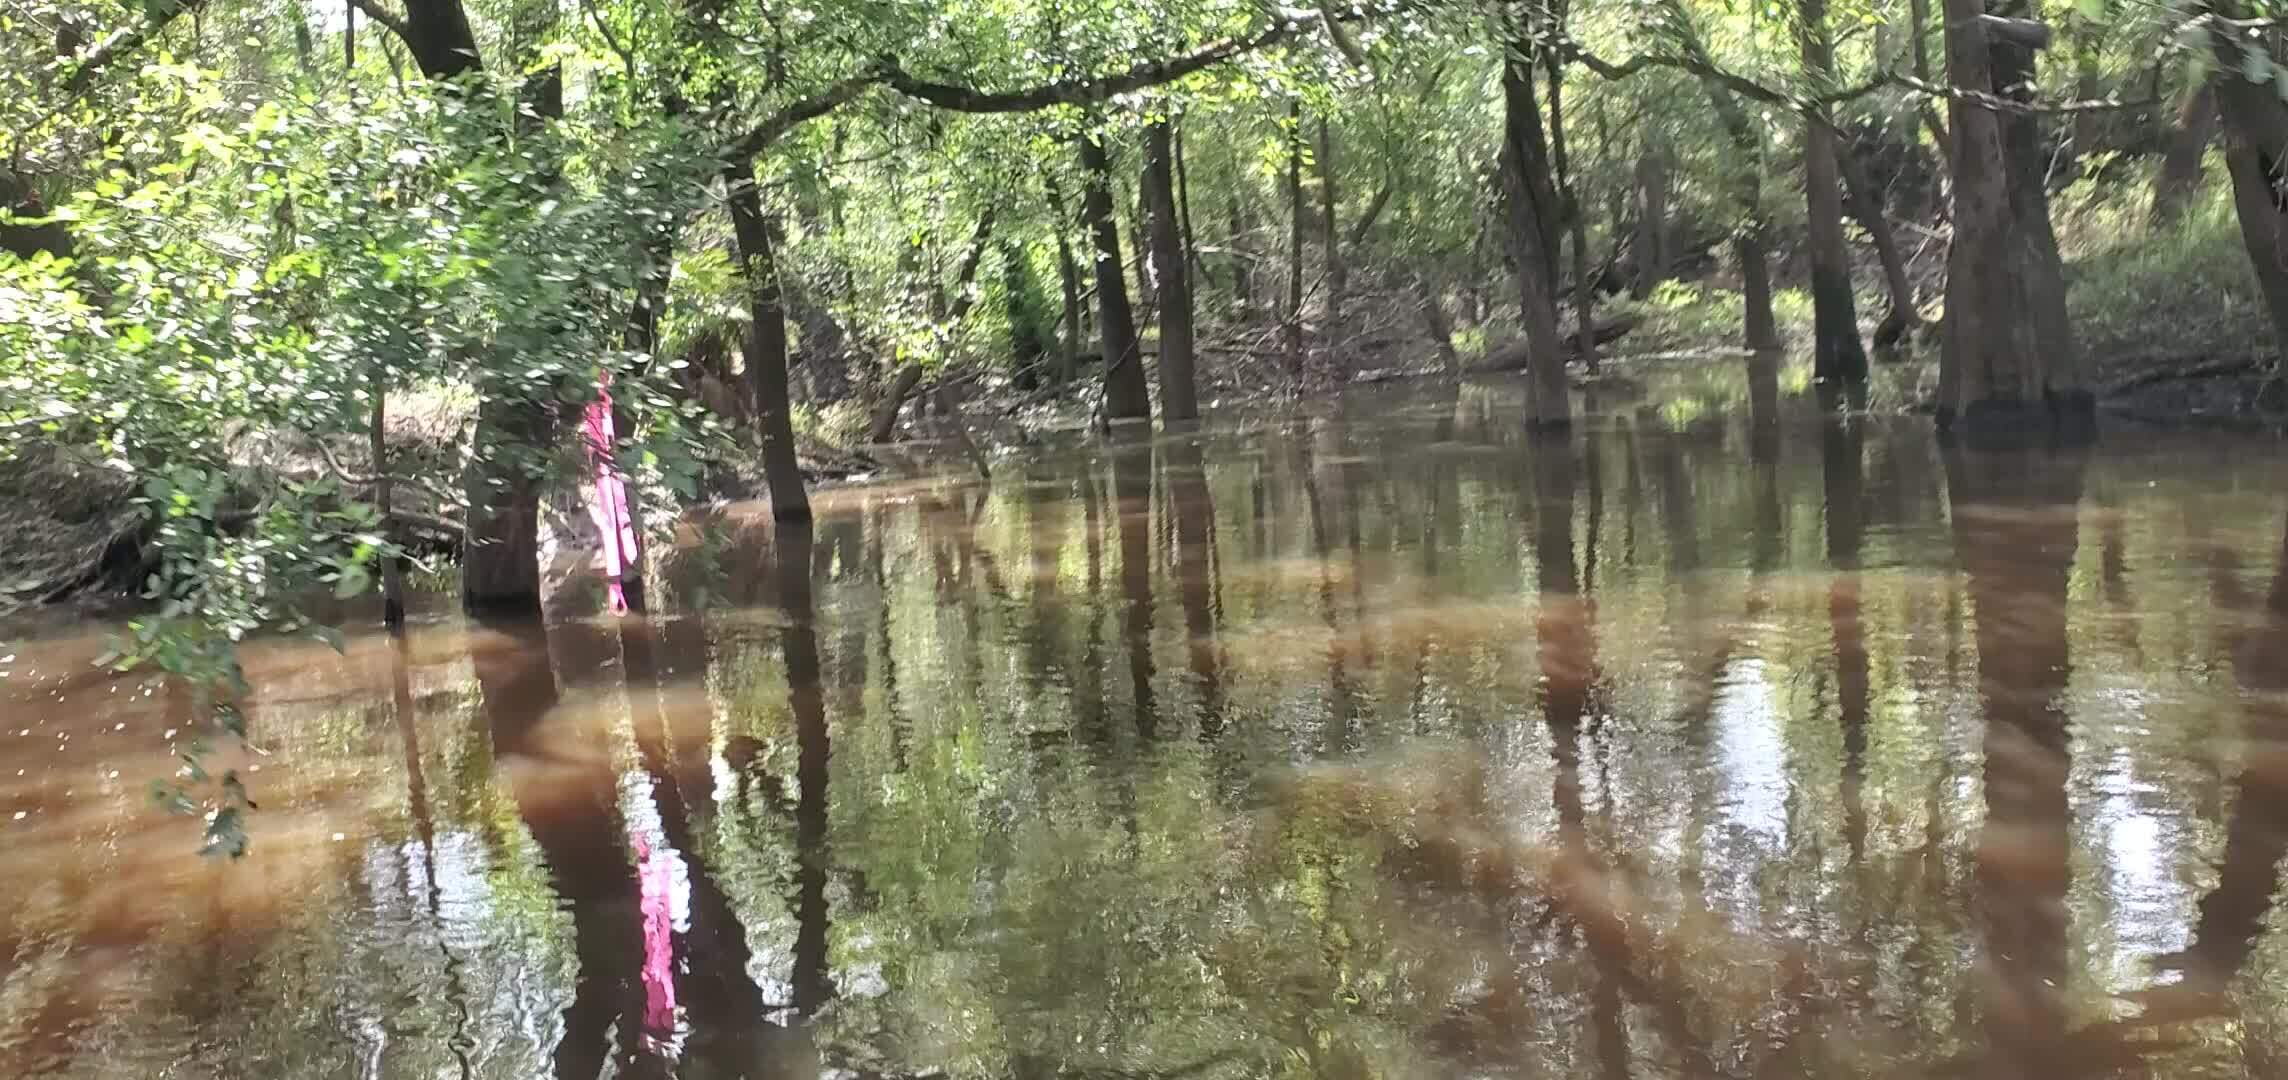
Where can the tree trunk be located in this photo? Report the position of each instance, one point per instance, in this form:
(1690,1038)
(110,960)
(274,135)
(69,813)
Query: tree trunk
(1531,199)
(1837,357)
(1126,396)
(377,431)
(1918,23)
(437,34)
(765,346)
(1330,231)
(1760,330)
(2254,147)
(2008,369)
(2189,136)
(1184,207)
(1750,244)
(500,558)
(2256,141)
(1171,272)
(1291,330)
(1865,202)
(1652,222)
(1584,290)
(1068,275)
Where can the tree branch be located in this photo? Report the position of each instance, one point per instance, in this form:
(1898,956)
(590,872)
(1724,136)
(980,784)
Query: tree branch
(1076,91)
(1088,91)
(1369,216)
(775,126)
(118,44)
(1809,104)
(1998,103)
(611,40)
(334,465)
(387,18)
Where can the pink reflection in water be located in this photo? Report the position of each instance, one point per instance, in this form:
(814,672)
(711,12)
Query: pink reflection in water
(655,875)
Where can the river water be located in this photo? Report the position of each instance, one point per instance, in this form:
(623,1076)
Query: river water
(1380,740)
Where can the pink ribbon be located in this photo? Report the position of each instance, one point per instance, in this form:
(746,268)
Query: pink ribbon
(609,507)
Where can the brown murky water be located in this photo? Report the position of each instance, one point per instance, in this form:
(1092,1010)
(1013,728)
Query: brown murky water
(1386,742)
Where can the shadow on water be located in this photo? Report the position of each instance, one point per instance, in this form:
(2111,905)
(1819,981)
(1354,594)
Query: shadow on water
(1747,740)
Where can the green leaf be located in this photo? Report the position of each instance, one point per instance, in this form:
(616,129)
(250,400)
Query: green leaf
(353,581)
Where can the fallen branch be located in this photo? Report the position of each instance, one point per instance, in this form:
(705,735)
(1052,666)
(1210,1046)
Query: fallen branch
(2212,369)
(1513,356)
(342,474)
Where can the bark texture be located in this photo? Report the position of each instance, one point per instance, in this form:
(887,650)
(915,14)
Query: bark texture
(1652,255)
(2189,136)
(2008,368)
(1126,396)
(1532,231)
(1838,356)
(765,346)
(2255,147)
(1330,231)
(1171,273)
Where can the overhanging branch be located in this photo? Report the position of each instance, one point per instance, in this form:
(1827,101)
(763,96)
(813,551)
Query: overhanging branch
(810,108)
(1078,91)
(1086,91)
(119,43)
(1813,104)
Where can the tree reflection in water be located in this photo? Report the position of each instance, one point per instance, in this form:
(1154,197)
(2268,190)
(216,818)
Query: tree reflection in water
(1388,743)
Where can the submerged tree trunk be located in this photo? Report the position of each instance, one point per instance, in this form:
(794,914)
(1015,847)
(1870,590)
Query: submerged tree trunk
(2008,368)
(1838,359)
(1126,396)
(392,576)
(765,345)
(1532,234)
(1292,328)
(1171,273)
(500,558)
(2189,135)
